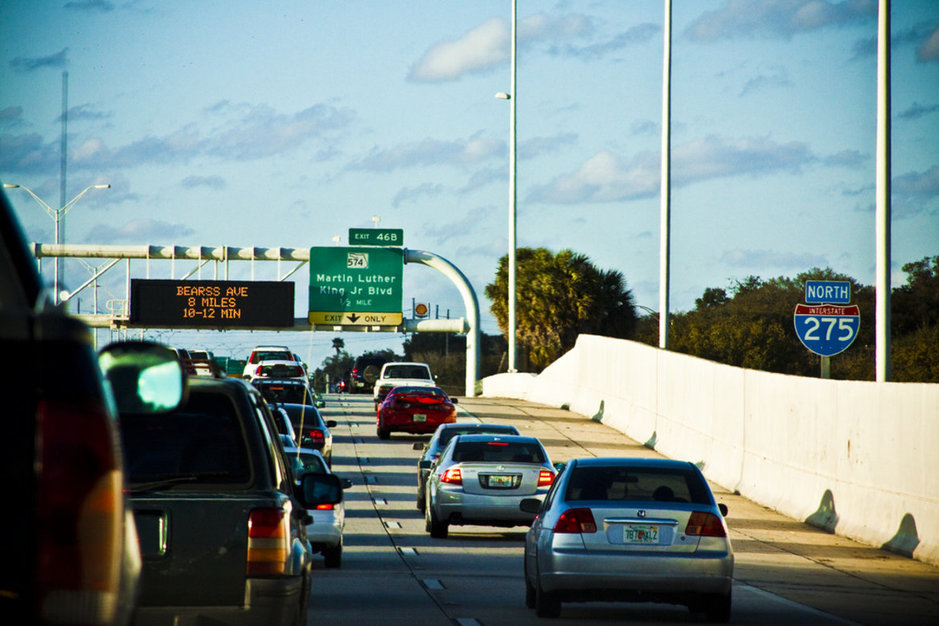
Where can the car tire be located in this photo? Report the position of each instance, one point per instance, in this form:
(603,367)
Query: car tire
(332,557)
(420,501)
(383,433)
(546,604)
(436,528)
(717,608)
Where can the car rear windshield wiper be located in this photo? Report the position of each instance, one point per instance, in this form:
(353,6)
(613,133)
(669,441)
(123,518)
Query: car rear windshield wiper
(155,485)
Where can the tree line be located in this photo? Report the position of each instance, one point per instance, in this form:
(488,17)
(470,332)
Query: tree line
(747,324)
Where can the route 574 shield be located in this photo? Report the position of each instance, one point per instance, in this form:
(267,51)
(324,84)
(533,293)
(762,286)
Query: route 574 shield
(825,329)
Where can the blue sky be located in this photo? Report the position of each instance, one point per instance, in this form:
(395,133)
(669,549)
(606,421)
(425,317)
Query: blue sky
(287,123)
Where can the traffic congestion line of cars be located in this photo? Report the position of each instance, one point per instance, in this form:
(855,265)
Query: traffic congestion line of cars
(616,529)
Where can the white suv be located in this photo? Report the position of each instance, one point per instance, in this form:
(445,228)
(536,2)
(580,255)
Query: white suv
(265,353)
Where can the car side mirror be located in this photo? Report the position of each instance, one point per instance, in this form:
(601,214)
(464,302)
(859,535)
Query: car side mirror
(454,401)
(418,445)
(144,377)
(319,489)
(424,464)
(722,508)
(345,482)
(330,423)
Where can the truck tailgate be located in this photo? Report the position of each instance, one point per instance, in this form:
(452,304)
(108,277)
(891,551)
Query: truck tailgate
(194,547)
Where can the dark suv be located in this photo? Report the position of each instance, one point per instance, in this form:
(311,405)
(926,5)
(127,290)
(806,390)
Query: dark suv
(365,372)
(221,518)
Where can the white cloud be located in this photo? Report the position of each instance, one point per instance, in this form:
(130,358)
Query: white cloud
(480,49)
(777,18)
(605,177)
(139,230)
(929,51)
(458,152)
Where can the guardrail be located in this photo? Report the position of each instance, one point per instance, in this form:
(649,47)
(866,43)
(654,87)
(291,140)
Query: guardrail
(853,457)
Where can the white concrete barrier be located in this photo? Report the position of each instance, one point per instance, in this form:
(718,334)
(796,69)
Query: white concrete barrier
(857,458)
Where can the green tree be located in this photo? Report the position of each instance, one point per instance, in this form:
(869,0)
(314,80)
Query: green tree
(914,321)
(559,296)
(334,367)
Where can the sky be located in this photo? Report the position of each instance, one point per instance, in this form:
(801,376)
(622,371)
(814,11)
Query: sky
(286,123)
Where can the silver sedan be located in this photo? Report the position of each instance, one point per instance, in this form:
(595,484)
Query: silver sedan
(629,529)
(482,479)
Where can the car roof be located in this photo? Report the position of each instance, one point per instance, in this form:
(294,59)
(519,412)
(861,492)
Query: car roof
(481,426)
(489,437)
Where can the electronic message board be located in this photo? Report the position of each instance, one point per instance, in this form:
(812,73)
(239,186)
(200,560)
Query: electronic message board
(211,303)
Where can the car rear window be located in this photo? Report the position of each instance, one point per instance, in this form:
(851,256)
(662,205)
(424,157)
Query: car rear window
(637,483)
(203,439)
(257,357)
(292,394)
(498,452)
(450,433)
(406,371)
(281,370)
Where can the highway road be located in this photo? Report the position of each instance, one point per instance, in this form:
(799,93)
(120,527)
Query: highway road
(393,572)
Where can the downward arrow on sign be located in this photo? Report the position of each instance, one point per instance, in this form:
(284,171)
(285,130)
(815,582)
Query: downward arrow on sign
(353,318)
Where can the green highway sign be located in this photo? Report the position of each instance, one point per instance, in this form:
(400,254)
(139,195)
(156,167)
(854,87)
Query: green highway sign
(376,237)
(356,285)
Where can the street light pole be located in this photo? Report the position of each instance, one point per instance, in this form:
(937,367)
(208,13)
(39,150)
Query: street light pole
(512,325)
(56,215)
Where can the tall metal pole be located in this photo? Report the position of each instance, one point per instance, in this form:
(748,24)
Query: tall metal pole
(665,182)
(513,350)
(60,219)
(882,228)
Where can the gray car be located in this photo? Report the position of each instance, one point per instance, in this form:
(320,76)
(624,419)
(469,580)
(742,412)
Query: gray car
(439,441)
(482,479)
(629,529)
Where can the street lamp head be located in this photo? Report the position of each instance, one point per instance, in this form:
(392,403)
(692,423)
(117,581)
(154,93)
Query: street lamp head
(10,186)
(104,186)
(503,96)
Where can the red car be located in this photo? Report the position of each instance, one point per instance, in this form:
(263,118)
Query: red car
(418,410)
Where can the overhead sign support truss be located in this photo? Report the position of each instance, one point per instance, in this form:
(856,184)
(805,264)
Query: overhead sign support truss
(119,317)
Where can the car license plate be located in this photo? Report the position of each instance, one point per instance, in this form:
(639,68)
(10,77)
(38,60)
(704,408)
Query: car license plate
(640,534)
(419,417)
(500,481)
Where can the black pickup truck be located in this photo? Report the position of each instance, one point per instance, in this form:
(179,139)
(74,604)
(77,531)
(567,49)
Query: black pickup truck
(221,519)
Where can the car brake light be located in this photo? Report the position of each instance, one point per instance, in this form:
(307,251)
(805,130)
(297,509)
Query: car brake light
(545,478)
(316,434)
(324,507)
(80,513)
(267,542)
(452,476)
(705,524)
(576,521)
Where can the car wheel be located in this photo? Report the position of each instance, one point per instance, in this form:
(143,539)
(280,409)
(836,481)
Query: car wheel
(420,501)
(332,557)
(383,433)
(546,604)
(717,608)
(436,528)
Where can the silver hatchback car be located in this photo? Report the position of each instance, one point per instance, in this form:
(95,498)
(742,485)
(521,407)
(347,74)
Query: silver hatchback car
(482,479)
(629,529)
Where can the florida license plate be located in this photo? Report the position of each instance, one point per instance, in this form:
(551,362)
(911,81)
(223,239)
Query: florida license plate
(420,417)
(640,534)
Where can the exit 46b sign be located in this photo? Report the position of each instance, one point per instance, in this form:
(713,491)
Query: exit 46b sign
(826,329)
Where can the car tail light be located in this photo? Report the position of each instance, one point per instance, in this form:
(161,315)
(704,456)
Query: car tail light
(576,521)
(317,435)
(545,478)
(325,507)
(705,524)
(80,514)
(452,476)
(267,542)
